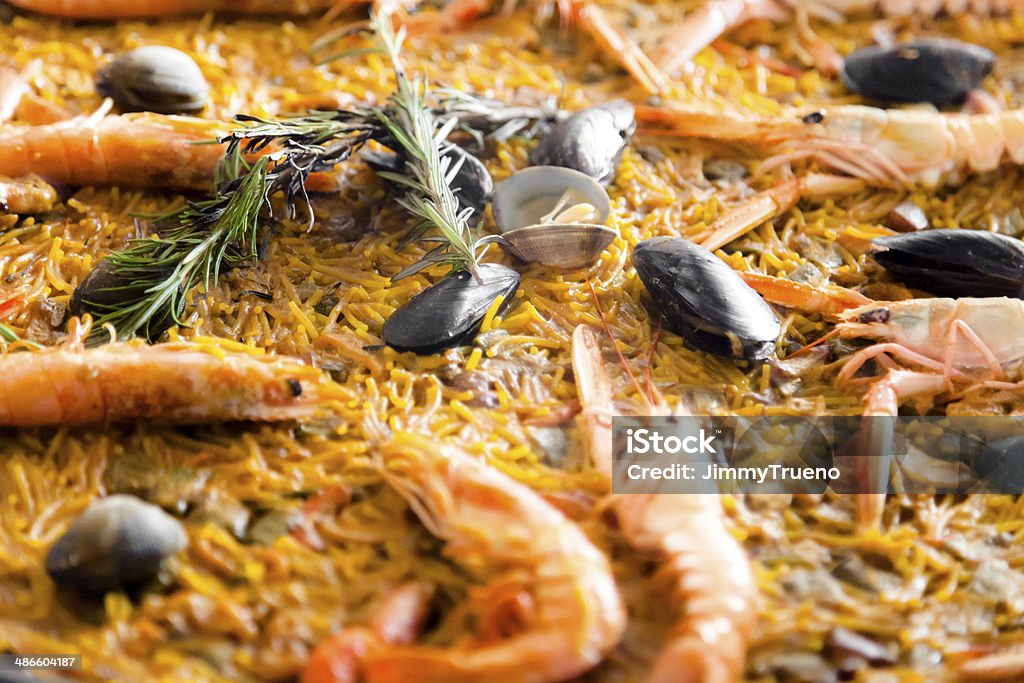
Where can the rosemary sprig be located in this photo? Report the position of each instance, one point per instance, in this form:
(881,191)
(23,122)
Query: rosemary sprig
(207,235)
(412,125)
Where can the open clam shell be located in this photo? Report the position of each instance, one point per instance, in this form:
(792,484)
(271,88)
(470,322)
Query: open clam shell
(560,246)
(527,196)
(553,216)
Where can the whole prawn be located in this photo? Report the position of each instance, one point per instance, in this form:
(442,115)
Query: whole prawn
(714,584)
(142,151)
(177,382)
(886,147)
(134,9)
(575,616)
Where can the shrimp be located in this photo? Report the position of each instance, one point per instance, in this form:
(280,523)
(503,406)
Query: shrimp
(755,210)
(714,18)
(134,9)
(887,147)
(576,614)
(395,621)
(714,583)
(178,382)
(612,39)
(967,341)
(27,195)
(143,151)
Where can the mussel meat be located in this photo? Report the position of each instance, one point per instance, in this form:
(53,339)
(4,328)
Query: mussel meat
(553,216)
(116,541)
(590,141)
(936,70)
(104,288)
(154,78)
(955,263)
(449,312)
(472,183)
(705,301)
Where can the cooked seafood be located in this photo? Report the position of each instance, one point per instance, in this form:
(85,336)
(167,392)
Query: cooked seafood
(104,287)
(553,216)
(128,9)
(936,70)
(129,151)
(712,580)
(590,141)
(303,561)
(27,195)
(117,540)
(178,382)
(880,146)
(705,300)
(154,78)
(955,263)
(450,312)
(576,615)
(716,17)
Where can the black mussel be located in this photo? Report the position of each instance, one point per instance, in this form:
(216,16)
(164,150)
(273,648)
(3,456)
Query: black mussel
(472,185)
(704,300)
(118,540)
(936,70)
(955,263)
(449,313)
(103,288)
(154,78)
(1000,466)
(590,141)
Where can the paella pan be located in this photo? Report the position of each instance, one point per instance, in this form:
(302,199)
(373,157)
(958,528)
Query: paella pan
(319,321)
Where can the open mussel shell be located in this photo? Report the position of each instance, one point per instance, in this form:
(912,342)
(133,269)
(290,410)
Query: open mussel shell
(705,301)
(103,289)
(154,78)
(936,70)
(449,313)
(116,541)
(590,141)
(954,263)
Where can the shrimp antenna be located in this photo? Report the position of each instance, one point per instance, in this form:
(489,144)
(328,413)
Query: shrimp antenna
(615,343)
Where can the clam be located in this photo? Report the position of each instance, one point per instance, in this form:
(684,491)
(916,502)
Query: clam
(590,141)
(553,216)
(955,263)
(103,288)
(117,540)
(449,313)
(704,300)
(154,78)
(936,70)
